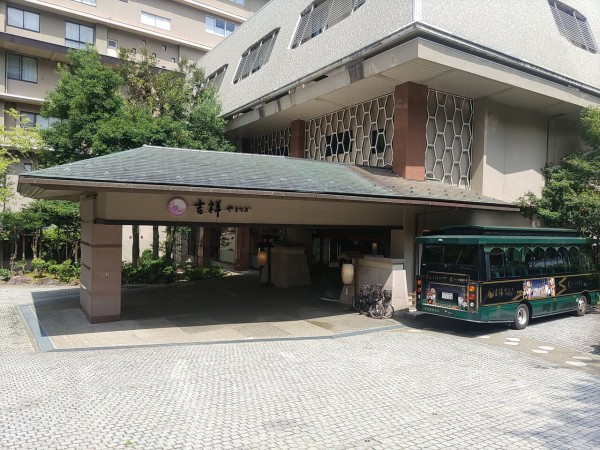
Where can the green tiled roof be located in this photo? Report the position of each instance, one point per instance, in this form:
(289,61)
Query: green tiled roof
(165,166)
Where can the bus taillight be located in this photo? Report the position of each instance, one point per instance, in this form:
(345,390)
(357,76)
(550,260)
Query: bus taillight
(472,289)
(472,297)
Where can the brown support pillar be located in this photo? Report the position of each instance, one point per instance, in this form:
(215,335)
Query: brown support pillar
(100,288)
(297,138)
(410,119)
(242,248)
(204,245)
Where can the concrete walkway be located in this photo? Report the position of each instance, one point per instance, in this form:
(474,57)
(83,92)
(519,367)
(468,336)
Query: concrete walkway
(233,308)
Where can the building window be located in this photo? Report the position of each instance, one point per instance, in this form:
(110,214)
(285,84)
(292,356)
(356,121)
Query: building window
(239,2)
(164,47)
(338,143)
(21,68)
(276,143)
(23,19)
(219,27)
(113,44)
(256,56)
(29,119)
(573,25)
(216,77)
(173,60)
(87,2)
(28,167)
(320,15)
(156,21)
(78,36)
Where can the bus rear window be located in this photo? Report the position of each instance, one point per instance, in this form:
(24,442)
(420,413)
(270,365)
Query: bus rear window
(450,254)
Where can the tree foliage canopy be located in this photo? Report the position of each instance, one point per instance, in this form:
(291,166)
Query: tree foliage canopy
(571,196)
(16,141)
(160,107)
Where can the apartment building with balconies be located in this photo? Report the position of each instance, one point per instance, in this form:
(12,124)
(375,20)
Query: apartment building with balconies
(36,35)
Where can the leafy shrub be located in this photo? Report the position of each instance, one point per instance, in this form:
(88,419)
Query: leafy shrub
(158,271)
(39,265)
(146,255)
(4,274)
(193,273)
(66,271)
(20,265)
(153,271)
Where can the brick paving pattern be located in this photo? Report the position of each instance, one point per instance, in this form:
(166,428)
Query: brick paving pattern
(374,391)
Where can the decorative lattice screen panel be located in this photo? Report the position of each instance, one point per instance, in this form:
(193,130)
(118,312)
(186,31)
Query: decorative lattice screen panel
(361,134)
(449,139)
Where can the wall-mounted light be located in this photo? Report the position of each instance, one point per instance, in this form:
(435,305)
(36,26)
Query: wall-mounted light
(374,248)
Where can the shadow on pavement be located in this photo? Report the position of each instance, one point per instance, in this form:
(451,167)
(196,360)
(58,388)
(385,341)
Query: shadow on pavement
(228,308)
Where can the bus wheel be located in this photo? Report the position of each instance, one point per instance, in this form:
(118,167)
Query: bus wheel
(521,316)
(581,305)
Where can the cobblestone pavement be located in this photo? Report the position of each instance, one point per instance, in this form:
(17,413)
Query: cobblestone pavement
(409,388)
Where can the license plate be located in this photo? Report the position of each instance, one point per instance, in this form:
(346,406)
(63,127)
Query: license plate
(447,296)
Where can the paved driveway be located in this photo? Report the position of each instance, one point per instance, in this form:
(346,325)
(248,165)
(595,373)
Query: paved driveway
(426,384)
(227,309)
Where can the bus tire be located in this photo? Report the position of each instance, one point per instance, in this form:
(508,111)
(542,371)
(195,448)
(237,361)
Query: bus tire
(581,305)
(521,317)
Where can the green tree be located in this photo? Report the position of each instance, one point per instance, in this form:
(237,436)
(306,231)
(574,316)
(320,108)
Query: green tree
(571,196)
(87,95)
(16,141)
(160,107)
(12,227)
(185,109)
(172,108)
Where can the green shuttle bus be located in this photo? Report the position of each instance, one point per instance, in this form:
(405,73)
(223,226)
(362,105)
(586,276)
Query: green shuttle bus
(496,274)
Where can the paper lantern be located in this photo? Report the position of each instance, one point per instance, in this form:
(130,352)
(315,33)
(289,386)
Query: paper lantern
(262,258)
(347,273)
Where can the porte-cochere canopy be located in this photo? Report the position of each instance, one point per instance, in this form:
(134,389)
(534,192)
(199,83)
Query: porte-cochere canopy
(156,185)
(175,170)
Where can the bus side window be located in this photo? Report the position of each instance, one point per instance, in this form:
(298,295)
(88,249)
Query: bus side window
(539,261)
(552,261)
(528,266)
(563,260)
(515,263)
(497,263)
(587,261)
(573,260)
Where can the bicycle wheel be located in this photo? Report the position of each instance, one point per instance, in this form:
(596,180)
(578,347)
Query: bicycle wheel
(357,303)
(375,310)
(387,311)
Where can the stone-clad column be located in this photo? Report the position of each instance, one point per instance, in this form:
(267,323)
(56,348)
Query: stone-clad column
(100,289)
(410,119)
(297,138)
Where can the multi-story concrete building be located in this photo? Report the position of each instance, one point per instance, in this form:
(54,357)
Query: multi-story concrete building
(35,35)
(436,112)
(477,95)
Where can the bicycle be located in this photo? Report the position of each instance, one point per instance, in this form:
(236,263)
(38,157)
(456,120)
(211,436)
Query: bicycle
(362,301)
(382,308)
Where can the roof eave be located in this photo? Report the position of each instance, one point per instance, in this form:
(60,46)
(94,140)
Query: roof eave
(36,187)
(421,30)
